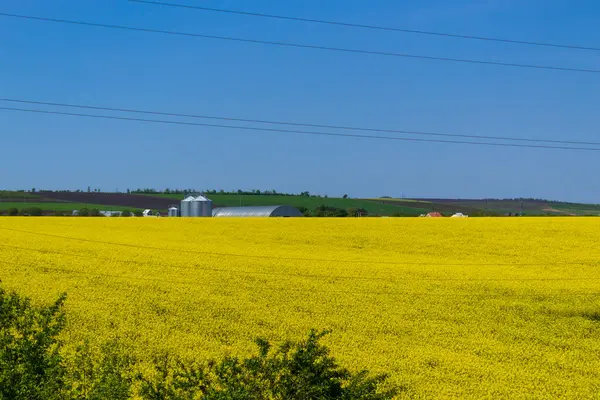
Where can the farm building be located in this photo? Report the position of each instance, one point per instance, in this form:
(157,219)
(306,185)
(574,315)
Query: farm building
(111,213)
(262,211)
(196,206)
(434,215)
(459,215)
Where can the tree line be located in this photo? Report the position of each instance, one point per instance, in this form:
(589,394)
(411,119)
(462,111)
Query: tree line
(330,211)
(239,192)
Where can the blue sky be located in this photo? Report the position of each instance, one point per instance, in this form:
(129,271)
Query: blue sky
(61,63)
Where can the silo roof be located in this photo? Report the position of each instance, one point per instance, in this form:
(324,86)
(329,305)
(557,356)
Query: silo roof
(200,198)
(257,211)
(189,198)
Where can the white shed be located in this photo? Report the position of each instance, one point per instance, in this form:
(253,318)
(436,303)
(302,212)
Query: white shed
(459,215)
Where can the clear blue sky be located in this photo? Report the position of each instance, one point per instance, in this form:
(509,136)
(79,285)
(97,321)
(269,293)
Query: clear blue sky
(61,63)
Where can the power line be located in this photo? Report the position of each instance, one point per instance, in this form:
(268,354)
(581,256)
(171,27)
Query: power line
(375,27)
(304,46)
(301,275)
(261,121)
(332,134)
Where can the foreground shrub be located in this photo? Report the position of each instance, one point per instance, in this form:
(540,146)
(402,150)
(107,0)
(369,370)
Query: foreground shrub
(30,363)
(106,374)
(296,370)
(32,367)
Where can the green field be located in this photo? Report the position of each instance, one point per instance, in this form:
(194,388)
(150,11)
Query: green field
(64,201)
(373,207)
(474,207)
(579,209)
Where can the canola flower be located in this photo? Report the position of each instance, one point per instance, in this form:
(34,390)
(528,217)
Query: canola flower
(474,308)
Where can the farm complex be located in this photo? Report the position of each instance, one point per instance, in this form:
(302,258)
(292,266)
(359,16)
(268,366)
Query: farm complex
(65,202)
(481,307)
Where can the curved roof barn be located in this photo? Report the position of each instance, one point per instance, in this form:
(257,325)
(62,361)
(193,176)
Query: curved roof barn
(258,211)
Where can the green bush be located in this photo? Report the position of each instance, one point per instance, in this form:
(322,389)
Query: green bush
(32,211)
(33,367)
(30,362)
(86,212)
(296,370)
(327,211)
(104,374)
(304,210)
(13,211)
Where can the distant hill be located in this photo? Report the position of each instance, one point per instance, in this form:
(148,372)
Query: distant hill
(51,201)
(525,206)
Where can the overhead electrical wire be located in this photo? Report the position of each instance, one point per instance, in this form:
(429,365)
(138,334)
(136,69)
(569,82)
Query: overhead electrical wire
(304,46)
(332,134)
(365,26)
(271,122)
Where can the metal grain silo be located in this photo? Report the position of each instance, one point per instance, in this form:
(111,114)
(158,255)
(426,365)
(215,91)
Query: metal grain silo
(195,208)
(186,206)
(207,208)
(173,212)
(201,207)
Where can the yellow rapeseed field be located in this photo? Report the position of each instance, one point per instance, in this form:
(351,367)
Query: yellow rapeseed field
(469,308)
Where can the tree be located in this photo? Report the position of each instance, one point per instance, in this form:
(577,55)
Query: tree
(303,210)
(13,211)
(327,211)
(138,213)
(30,362)
(345,196)
(32,211)
(341,213)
